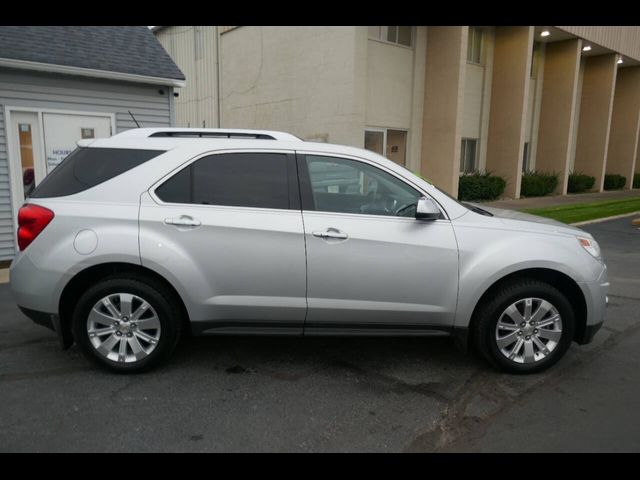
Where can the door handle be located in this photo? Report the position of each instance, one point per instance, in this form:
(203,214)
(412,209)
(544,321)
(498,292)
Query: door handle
(183,221)
(331,233)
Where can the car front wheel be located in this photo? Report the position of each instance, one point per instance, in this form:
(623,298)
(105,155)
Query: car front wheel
(525,327)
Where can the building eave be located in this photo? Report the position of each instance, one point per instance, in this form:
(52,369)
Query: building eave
(90,72)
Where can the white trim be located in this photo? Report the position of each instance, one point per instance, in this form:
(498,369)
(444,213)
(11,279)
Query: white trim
(16,201)
(89,72)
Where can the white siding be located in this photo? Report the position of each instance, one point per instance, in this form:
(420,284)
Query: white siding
(194,50)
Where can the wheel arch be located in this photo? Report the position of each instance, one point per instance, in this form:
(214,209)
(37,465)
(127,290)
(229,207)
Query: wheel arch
(91,275)
(564,283)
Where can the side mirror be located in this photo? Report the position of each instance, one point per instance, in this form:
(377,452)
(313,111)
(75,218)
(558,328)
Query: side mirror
(427,209)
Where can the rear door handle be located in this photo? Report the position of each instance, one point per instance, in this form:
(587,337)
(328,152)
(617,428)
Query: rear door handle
(183,221)
(331,233)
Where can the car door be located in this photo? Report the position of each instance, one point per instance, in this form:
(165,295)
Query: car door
(227,229)
(371,265)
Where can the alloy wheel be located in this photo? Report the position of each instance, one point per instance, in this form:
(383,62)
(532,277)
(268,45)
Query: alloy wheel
(528,330)
(123,327)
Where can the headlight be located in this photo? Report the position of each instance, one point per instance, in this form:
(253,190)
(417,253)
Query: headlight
(591,246)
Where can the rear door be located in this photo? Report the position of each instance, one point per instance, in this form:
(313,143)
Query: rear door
(228,230)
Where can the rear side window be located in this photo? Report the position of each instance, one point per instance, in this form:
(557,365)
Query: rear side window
(261,180)
(87,167)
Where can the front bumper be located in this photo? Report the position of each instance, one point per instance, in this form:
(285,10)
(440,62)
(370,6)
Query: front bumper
(595,295)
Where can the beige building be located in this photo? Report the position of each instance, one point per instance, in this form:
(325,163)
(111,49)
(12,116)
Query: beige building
(440,100)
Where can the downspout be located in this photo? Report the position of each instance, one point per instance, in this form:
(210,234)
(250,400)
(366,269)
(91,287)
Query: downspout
(218,68)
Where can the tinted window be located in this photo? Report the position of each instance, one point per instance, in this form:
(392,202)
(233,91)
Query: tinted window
(349,186)
(234,179)
(87,167)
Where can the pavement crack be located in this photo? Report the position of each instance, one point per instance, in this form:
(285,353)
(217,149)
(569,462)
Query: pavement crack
(393,384)
(456,427)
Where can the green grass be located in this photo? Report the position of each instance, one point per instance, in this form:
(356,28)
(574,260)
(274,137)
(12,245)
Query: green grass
(587,211)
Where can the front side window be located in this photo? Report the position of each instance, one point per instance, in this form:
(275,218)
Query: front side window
(348,186)
(258,180)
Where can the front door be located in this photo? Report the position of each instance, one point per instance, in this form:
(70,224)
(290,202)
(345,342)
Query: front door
(370,263)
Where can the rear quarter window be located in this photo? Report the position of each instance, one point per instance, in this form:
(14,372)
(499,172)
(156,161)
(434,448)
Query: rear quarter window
(87,167)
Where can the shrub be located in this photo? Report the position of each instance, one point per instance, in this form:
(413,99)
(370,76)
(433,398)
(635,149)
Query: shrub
(614,181)
(579,182)
(636,180)
(538,184)
(480,186)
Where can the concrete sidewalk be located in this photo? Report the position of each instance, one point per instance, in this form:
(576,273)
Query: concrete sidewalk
(556,200)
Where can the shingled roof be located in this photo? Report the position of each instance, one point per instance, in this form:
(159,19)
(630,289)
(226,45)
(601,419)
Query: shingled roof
(132,50)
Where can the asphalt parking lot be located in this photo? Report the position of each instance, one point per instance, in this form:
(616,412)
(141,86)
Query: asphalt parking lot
(331,394)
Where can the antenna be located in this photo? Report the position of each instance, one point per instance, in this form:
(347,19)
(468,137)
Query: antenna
(134,118)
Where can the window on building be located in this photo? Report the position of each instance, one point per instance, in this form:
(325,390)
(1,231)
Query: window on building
(535,59)
(468,155)
(389,143)
(525,158)
(235,179)
(474,45)
(402,35)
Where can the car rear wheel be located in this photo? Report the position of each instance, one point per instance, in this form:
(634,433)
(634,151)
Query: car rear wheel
(127,323)
(525,327)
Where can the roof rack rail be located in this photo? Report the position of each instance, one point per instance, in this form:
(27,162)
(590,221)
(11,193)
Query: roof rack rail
(209,134)
(176,132)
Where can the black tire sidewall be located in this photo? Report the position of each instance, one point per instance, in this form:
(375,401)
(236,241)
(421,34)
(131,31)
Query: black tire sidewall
(508,296)
(169,323)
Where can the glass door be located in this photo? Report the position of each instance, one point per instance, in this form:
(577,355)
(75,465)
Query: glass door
(28,163)
(387,142)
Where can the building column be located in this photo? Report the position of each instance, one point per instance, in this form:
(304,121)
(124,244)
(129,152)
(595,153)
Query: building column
(557,112)
(625,124)
(443,101)
(509,95)
(596,105)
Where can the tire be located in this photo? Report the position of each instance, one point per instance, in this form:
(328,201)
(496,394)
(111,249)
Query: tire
(554,334)
(149,339)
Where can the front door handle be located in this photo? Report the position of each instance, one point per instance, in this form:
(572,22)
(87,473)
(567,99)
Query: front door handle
(183,221)
(331,233)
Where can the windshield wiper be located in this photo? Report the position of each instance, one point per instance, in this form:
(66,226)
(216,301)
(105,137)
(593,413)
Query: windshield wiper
(479,210)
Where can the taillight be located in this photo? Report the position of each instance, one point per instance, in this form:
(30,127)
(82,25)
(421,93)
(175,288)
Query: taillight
(31,221)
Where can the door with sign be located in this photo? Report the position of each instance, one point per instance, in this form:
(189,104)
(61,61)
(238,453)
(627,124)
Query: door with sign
(62,131)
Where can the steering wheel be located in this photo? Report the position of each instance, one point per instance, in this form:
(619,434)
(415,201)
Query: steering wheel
(404,208)
(379,203)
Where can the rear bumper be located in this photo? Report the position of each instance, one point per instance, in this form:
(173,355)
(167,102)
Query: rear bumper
(41,318)
(52,322)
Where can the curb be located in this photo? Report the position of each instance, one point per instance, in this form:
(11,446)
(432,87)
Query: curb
(604,219)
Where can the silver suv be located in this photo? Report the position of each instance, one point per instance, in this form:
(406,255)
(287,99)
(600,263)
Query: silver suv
(137,239)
